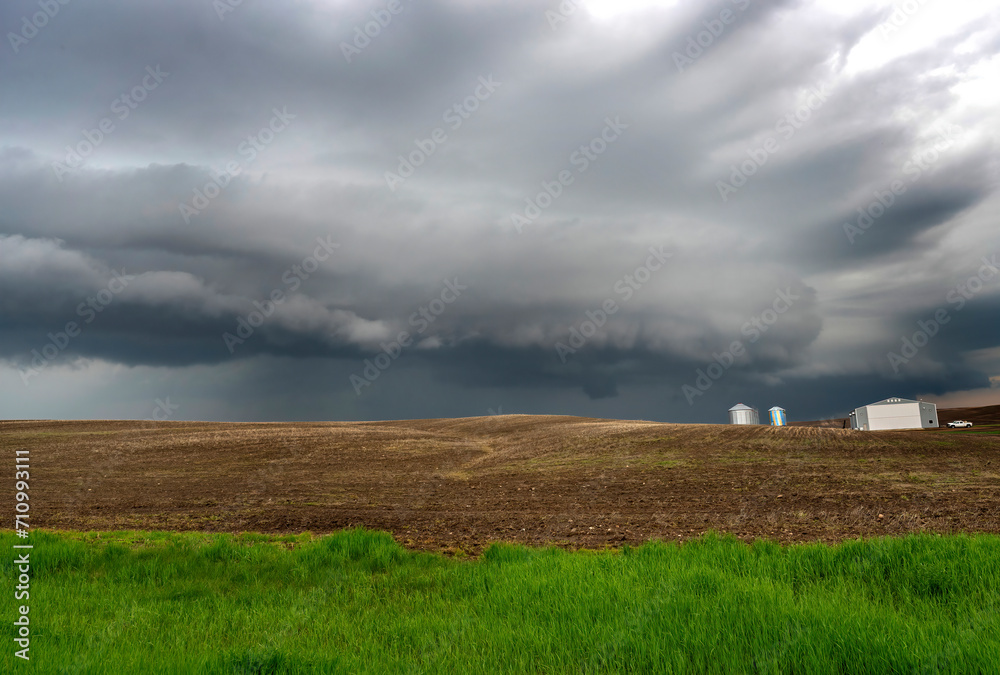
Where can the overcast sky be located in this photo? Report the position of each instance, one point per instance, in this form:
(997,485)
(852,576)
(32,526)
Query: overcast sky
(375,210)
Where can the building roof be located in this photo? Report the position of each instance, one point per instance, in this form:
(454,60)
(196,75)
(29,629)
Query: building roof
(777,408)
(740,406)
(894,401)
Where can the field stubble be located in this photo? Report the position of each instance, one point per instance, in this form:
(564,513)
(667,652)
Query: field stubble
(465,483)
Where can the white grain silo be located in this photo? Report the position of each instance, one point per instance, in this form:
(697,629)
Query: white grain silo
(743,414)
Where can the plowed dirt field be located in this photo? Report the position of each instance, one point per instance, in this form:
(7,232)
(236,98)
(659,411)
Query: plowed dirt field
(464,483)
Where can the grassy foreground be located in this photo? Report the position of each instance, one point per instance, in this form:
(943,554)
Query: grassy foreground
(138,602)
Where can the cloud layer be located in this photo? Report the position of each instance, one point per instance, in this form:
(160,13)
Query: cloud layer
(378,210)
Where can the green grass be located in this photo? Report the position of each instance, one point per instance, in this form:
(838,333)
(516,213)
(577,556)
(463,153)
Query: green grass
(140,602)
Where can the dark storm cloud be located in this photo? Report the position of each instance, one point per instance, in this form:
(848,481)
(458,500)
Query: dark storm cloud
(724,261)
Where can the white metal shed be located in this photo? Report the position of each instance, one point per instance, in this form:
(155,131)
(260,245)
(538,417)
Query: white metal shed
(895,413)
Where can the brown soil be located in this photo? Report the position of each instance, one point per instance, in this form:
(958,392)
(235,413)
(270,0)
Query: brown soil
(464,483)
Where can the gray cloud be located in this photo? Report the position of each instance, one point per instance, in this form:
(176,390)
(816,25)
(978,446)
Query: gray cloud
(196,276)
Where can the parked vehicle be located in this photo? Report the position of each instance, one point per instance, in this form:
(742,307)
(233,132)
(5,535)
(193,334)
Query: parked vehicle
(959,424)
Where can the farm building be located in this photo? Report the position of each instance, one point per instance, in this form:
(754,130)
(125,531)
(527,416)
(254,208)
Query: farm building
(743,414)
(895,413)
(778,417)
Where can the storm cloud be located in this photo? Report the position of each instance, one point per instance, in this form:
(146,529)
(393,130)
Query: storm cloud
(370,210)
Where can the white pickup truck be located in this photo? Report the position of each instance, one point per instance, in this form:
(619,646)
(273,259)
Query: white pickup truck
(959,424)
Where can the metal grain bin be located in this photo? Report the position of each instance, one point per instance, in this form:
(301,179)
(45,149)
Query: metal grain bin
(778,417)
(743,414)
